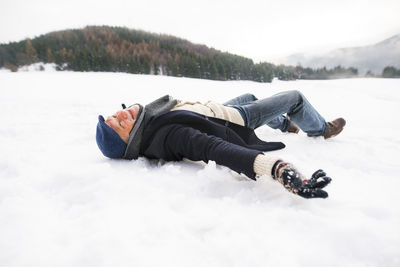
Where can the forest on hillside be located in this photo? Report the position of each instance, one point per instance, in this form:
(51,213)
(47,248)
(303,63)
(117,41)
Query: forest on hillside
(119,49)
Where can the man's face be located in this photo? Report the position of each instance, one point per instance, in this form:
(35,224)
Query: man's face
(123,120)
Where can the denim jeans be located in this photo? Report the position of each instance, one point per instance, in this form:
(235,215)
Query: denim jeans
(271,110)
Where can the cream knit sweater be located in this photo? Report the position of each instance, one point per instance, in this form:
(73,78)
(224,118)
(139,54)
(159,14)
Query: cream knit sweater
(212,109)
(262,164)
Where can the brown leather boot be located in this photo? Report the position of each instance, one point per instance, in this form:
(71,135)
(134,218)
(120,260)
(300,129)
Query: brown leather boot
(293,128)
(335,127)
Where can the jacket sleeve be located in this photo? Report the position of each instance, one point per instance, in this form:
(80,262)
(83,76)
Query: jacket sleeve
(190,143)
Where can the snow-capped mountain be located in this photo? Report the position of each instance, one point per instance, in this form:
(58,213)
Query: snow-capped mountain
(372,58)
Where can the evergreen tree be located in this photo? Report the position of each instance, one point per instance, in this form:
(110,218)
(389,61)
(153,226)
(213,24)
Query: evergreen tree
(390,72)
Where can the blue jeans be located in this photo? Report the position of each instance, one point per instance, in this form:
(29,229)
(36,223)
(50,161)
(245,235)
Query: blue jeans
(271,110)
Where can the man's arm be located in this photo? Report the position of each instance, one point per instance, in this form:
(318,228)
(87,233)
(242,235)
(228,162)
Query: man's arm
(190,143)
(186,142)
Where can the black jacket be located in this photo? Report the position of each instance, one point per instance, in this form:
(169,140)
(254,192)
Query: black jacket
(185,134)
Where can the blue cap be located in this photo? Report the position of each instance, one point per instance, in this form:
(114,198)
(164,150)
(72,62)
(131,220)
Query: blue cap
(109,142)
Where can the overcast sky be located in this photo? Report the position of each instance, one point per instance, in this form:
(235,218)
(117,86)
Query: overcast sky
(259,29)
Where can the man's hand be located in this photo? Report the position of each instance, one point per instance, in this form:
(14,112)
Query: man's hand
(293,181)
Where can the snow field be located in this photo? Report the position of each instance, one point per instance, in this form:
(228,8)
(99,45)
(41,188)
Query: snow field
(63,204)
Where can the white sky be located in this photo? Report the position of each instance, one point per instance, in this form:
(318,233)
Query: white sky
(259,29)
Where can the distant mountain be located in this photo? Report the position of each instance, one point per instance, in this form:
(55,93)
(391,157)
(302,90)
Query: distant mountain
(372,58)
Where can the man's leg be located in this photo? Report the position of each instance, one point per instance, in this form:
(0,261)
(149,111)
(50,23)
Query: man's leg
(280,122)
(270,111)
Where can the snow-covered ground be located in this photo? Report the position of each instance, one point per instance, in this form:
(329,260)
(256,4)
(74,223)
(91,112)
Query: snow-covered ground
(63,204)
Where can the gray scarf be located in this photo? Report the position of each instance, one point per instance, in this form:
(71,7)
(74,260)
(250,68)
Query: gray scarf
(146,114)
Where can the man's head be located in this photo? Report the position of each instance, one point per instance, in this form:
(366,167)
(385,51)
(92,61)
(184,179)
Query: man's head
(112,134)
(120,136)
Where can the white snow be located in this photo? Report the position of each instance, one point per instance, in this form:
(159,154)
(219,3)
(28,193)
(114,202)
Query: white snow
(39,67)
(4,70)
(63,204)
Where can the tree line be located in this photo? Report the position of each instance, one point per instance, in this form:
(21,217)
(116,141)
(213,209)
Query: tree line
(390,72)
(119,49)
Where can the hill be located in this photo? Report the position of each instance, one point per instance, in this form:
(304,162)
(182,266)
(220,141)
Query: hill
(373,58)
(117,49)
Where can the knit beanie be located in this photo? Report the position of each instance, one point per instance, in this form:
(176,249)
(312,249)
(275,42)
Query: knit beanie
(108,141)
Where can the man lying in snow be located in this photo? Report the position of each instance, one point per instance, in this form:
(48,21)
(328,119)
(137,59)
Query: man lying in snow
(171,130)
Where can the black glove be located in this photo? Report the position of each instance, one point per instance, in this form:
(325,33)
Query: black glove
(293,181)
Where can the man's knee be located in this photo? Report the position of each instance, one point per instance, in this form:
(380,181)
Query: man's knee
(295,94)
(249,97)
